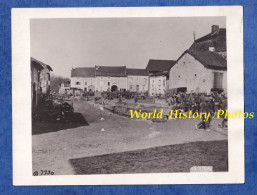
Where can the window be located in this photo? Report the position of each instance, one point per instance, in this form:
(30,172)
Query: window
(77,83)
(164,82)
(48,74)
(195,75)
(159,82)
(178,76)
(217,80)
(108,83)
(38,76)
(85,83)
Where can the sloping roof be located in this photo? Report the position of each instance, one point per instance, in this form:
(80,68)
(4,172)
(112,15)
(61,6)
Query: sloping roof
(36,64)
(33,60)
(136,72)
(111,71)
(208,59)
(216,39)
(162,73)
(159,65)
(83,72)
(211,36)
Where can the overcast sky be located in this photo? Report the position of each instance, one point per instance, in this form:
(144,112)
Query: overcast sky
(67,43)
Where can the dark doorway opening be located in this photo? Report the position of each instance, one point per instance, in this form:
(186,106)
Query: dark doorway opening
(182,89)
(114,88)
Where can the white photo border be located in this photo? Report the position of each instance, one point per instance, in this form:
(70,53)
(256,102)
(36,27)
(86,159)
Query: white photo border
(21,96)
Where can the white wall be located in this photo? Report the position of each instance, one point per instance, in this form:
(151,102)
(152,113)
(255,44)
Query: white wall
(190,73)
(157,85)
(85,82)
(141,81)
(105,83)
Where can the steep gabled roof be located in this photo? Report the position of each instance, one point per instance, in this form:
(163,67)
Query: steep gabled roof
(215,39)
(110,71)
(83,72)
(136,72)
(36,64)
(208,59)
(35,61)
(211,36)
(159,65)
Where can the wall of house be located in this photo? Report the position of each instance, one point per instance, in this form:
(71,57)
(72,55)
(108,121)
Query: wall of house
(45,80)
(83,83)
(64,89)
(35,80)
(157,85)
(190,73)
(105,83)
(137,83)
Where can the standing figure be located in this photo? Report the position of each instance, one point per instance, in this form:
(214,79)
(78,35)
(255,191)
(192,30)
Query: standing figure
(204,107)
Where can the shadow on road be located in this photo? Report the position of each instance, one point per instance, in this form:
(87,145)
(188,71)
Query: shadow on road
(164,159)
(46,124)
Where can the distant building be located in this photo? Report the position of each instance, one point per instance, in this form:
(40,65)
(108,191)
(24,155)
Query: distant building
(65,87)
(36,68)
(198,71)
(111,78)
(158,71)
(137,80)
(82,79)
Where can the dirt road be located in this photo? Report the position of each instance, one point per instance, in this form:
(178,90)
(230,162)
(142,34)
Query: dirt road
(52,151)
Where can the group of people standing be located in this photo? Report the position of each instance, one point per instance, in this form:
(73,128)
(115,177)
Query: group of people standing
(200,102)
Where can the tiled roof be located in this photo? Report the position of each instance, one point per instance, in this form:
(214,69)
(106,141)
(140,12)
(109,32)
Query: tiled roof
(83,72)
(34,61)
(136,72)
(210,60)
(216,40)
(111,71)
(159,65)
(36,64)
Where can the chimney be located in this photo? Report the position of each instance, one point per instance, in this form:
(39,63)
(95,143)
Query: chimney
(214,28)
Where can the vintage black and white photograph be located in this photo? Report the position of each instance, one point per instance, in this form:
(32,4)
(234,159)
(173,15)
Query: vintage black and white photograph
(88,74)
(130,95)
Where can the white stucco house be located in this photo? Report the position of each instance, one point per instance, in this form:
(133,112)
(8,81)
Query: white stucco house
(198,71)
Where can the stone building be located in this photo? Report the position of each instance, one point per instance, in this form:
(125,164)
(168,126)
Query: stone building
(82,79)
(137,80)
(65,88)
(202,68)
(110,78)
(45,81)
(198,71)
(40,76)
(158,71)
(35,68)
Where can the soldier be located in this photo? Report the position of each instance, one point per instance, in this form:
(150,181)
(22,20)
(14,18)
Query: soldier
(224,106)
(204,107)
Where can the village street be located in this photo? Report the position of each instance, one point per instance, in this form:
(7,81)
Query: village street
(53,150)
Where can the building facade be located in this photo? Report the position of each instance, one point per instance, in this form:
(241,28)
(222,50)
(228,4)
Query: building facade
(158,71)
(45,77)
(82,79)
(199,72)
(65,88)
(137,80)
(36,68)
(110,78)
